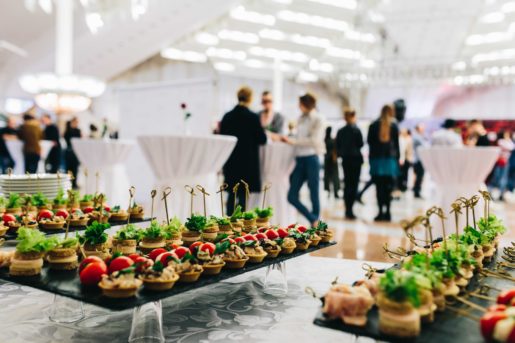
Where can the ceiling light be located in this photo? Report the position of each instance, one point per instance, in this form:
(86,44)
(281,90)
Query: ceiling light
(305,76)
(46,6)
(138,8)
(284,55)
(284,2)
(226,53)
(375,17)
(315,65)
(272,34)
(343,53)
(223,66)
(241,13)
(460,65)
(508,7)
(253,63)
(94,22)
(367,63)
(311,41)
(189,56)
(488,38)
(206,38)
(505,54)
(360,36)
(314,20)
(238,36)
(491,18)
(348,4)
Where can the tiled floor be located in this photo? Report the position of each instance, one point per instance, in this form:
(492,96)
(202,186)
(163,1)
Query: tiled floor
(363,239)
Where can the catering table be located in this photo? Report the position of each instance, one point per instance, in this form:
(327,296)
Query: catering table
(458,172)
(105,157)
(277,161)
(234,310)
(179,160)
(15,148)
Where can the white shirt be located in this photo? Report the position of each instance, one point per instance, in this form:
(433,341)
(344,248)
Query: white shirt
(309,139)
(448,138)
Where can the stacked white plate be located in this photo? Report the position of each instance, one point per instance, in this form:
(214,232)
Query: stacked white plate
(48,184)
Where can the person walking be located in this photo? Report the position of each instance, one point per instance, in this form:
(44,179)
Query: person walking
(309,144)
(51,133)
(270,120)
(349,142)
(383,141)
(8,132)
(72,162)
(30,133)
(243,164)
(331,173)
(419,141)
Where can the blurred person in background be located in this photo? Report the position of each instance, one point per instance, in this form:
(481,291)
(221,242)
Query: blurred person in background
(243,164)
(309,145)
(9,132)
(331,173)
(477,134)
(93,131)
(419,140)
(51,133)
(447,135)
(406,158)
(72,162)
(383,141)
(30,134)
(349,142)
(501,171)
(270,120)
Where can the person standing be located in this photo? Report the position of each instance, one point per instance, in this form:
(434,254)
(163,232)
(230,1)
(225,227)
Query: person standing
(309,144)
(51,133)
(349,142)
(30,133)
(447,135)
(8,132)
(270,120)
(418,141)
(501,171)
(406,158)
(476,134)
(331,174)
(72,162)
(243,164)
(383,141)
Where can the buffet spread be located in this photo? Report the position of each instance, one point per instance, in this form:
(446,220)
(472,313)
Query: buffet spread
(440,290)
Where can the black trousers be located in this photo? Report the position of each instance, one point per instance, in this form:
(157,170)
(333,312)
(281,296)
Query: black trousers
(384,188)
(31,162)
(403,178)
(231,197)
(351,174)
(53,161)
(72,164)
(418,168)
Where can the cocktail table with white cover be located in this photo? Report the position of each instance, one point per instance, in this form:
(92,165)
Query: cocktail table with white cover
(458,172)
(15,148)
(106,157)
(179,160)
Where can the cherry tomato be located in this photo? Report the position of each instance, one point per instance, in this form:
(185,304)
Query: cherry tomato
(46,214)
(291,226)
(88,209)
(209,247)
(7,218)
(194,247)
(181,251)
(62,213)
(156,252)
(134,256)
(239,240)
(88,260)
(497,308)
(272,234)
(142,263)
(282,233)
(120,263)
(92,273)
(231,241)
(505,297)
(262,229)
(488,322)
(107,208)
(260,236)
(166,257)
(301,229)
(249,237)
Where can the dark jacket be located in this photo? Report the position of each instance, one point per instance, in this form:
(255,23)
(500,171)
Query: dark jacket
(349,142)
(378,149)
(51,133)
(30,133)
(243,164)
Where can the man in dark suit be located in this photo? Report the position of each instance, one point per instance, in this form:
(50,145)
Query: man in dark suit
(51,133)
(243,164)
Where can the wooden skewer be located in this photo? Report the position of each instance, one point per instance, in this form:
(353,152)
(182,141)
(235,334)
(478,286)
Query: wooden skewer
(152,196)
(86,180)
(97,177)
(166,193)
(265,189)
(473,202)
(471,304)
(190,190)
(247,193)
(463,313)
(221,190)
(235,192)
(132,190)
(204,193)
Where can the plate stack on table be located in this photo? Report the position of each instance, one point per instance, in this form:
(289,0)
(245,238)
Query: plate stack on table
(48,184)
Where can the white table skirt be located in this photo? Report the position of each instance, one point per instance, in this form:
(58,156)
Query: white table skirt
(106,157)
(458,172)
(277,161)
(15,148)
(179,160)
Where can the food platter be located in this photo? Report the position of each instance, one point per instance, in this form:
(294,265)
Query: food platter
(66,283)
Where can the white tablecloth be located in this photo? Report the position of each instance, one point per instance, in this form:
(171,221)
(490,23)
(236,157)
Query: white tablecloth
(15,148)
(187,160)
(106,157)
(458,172)
(277,161)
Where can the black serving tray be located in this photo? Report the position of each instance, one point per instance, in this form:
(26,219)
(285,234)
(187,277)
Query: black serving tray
(11,236)
(67,283)
(448,327)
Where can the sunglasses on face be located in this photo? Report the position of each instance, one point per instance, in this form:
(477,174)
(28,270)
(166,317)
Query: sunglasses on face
(263,102)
